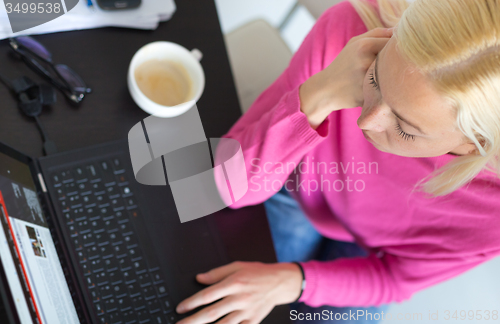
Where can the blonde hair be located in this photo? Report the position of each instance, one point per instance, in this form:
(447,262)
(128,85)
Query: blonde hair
(456,45)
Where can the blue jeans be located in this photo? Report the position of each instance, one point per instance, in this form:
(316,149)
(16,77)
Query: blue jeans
(295,239)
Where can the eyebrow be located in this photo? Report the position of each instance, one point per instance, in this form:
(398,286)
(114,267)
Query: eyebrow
(392,110)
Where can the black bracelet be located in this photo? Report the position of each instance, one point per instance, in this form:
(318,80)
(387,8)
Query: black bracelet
(303,281)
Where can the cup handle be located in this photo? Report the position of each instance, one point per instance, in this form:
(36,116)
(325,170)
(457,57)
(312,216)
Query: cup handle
(198,55)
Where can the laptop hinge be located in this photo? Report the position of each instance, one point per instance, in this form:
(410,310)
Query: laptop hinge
(42,182)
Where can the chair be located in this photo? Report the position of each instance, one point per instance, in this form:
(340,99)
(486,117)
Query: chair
(258,55)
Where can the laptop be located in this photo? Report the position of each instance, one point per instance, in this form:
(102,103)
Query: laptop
(82,242)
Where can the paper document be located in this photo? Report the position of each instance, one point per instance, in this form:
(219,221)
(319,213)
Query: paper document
(147,16)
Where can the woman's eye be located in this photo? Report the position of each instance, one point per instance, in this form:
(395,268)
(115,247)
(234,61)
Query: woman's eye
(403,134)
(372,81)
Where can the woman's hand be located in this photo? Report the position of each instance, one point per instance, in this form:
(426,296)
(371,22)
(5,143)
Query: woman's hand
(248,291)
(340,85)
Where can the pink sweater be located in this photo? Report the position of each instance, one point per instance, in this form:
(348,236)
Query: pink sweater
(350,191)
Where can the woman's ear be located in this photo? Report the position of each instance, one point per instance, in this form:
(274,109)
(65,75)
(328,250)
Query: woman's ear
(470,148)
(466,149)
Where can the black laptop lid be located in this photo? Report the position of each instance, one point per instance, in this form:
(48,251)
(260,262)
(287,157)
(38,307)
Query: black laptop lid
(32,284)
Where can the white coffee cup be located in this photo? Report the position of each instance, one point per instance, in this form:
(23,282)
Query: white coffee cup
(176,53)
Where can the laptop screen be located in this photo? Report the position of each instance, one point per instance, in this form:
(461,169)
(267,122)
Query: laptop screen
(28,256)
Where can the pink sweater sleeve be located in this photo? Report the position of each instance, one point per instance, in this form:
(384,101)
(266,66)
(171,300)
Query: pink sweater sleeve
(274,129)
(372,281)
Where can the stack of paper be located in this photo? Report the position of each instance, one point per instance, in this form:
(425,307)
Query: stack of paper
(147,16)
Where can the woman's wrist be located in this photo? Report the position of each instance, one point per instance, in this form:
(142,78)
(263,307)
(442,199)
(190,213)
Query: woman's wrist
(291,281)
(314,100)
(303,287)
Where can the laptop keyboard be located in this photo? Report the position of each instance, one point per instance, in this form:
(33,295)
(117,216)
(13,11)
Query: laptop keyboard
(98,207)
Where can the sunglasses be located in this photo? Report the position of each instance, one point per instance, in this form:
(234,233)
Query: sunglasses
(38,58)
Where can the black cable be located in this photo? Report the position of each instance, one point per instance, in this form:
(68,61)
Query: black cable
(49,147)
(42,129)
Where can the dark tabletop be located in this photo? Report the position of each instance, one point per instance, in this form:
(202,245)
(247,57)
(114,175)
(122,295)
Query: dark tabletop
(101,57)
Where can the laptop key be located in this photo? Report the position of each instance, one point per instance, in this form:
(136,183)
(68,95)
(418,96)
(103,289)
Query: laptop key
(61,194)
(106,292)
(90,282)
(124,304)
(86,198)
(120,252)
(157,277)
(97,187)
(127,277)
(101,279)
(94,296)
(96,265)
(88,237)
(112,191)
(166,304)
(143,317)
(125,228)
(120,215)
(138,302)
(111,305)
(92,172)
(120,290)
(121,180)
(93,253)
(159,318)
(171,319)
(139,266)
(130,242)
(106,251)
(129,317)
(99,309)
(132,252)
(86,269)
(131,202)
(117,203)
(110,265)
(117,166)
(154,306)
(162,289)
(114,277)
(56,179)
(69,188)
(114,318)
(149,293)
(145,280)
(134,289)
(80,175)
(107,174)
(66,176)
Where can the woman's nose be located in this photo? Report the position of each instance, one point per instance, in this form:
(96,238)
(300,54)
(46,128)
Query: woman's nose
(373,119)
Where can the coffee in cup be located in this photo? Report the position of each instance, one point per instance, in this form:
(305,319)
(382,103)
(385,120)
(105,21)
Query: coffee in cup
(165,79)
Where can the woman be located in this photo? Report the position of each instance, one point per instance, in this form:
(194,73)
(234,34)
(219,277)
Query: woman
(389,140)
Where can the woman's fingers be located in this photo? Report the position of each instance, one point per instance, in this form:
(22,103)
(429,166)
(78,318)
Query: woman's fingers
(207,296)
(375,45)
(234,318)
(213,312)
(378,32)
(217,274)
